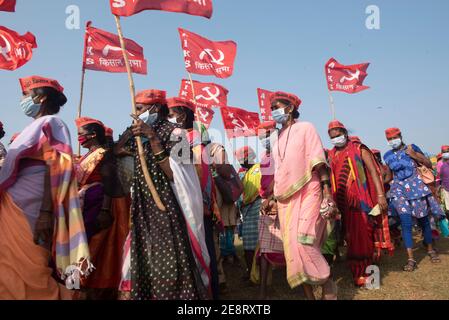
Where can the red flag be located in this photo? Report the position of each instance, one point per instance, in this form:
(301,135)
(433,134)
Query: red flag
(103,52)
(127,8)
(206,94)
(347,79)
(264,104)
(206,57)
(239,122)
(8,5)
(204,115)
(15,49)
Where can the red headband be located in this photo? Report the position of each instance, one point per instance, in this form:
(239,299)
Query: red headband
(180,102)
(83,121)
(152,96)
(34,82)
(392,132)
(294,100)
(335,124)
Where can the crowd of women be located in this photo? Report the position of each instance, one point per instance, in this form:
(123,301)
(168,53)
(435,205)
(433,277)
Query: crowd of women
(160,222)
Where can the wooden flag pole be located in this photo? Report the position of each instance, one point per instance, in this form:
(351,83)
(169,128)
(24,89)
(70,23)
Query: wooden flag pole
(132,90)
(332,105)
(83,75)
(197,116)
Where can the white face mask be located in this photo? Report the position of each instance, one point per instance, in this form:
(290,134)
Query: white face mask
(445,156)
(396,143)
(339,141)
(173,120)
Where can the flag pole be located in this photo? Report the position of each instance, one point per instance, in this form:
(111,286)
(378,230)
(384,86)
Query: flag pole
(132,90)
(83,76)
(197,116)
(332,105)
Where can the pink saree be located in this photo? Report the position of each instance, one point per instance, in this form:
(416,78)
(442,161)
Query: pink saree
(297,189)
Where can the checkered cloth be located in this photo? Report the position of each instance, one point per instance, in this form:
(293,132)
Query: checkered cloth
(270,237)
(250,224)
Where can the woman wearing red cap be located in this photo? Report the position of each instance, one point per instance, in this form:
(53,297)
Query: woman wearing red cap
(105,209)
(40,218)
(357,187)
(302,189)
(182,113)
(411,197)
(159,263)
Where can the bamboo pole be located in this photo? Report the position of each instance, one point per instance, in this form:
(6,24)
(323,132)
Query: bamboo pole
(83,76)
(132,90)
(332,106)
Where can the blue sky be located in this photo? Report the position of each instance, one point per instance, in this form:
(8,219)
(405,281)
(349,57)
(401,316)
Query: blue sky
(282,45)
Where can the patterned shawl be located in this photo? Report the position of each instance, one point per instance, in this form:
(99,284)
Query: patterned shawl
(70,248)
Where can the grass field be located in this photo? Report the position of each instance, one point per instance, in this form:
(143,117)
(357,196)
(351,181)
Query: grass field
(428,282)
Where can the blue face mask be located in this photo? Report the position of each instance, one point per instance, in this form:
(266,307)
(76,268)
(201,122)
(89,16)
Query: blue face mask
(30,108)
(395,144)
(149,118)
(279,115)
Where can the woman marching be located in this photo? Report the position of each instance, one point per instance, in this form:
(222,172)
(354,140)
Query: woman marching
(182,113)
(357,187)
(411,198)
(40,215)
(105,209)
(302,189)
(159,263)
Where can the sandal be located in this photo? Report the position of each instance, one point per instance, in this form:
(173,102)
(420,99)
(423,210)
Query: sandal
(434,257)
(410,266)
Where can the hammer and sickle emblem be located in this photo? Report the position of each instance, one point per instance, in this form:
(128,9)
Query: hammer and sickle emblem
(210,96)
(5,50)
(208,52)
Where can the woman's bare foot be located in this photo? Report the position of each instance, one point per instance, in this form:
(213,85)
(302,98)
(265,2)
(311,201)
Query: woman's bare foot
(330,290)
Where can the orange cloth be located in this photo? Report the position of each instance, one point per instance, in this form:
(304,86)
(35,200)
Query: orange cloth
(294,100)
(152,96)
(180,102)
(24,266)
(335,124)
(392,132)
(83,121)
(34,82)
(106,248)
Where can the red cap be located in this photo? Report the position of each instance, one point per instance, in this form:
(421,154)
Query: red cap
(266,126)
(34,82)
(245,152)
(294,100)
(444,149)
(152,96)
(335,124)
(83,121)
(180,102)
(392,132)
